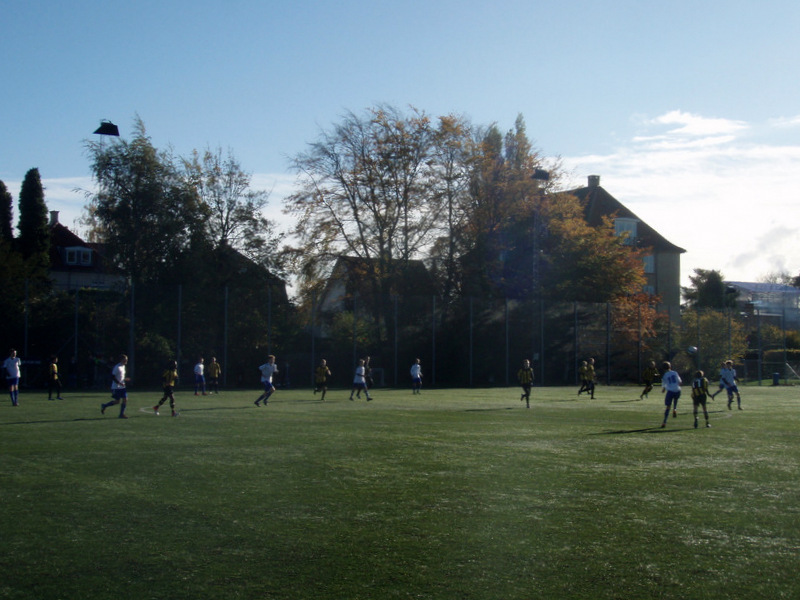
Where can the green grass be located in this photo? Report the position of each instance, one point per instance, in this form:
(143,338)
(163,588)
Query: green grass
(460,494)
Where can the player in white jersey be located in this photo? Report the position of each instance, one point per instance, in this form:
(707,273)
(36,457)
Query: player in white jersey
(268,369)
(671,387)
(119,391)
(11,366)
(727,380)
(360,380)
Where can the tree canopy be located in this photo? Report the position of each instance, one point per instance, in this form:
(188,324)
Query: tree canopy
(708,290)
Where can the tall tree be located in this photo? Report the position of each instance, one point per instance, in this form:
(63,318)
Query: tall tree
(142,210)
(34,235)
(235,212)
(505,227)
(585,263)
(6,213)
(708,290)
(453,154)
(365,193)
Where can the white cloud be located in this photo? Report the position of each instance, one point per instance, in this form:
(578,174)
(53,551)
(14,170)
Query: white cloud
(695,125)
(729,201)
(785,122)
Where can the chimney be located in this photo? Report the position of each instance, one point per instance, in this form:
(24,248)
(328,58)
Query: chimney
(53,217)
(594,181)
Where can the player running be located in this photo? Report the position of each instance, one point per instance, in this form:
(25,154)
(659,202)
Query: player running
(727,380)
(671,386)
(525,378)
(268,369)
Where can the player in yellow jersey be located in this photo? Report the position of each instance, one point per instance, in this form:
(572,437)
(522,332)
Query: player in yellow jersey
(321,374)
(525,378)
(649,376)
(214,371)
(169,377)
(582,371)
(700,396)
(53,382)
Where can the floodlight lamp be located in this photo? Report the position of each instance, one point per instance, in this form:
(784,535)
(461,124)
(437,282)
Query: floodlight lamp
(107,128)
(541,175)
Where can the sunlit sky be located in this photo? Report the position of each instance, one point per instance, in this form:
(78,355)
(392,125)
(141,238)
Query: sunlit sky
(689,111)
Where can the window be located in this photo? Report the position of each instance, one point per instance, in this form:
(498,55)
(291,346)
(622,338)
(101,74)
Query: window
(626,226)
(78,256)
(649,264)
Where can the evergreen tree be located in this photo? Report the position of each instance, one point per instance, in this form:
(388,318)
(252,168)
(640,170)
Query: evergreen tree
(709,290)
(6,213)
(34,234)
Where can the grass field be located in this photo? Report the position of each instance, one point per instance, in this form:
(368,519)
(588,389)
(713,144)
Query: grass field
(453,494)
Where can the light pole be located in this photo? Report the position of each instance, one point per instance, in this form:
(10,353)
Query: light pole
(542,176)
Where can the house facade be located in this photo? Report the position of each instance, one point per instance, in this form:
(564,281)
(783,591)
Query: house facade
(662,265)
(76,264)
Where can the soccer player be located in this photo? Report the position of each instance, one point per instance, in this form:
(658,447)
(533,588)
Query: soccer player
(13,373)
(214,371)
(199,377)
(359,381)
(525,378)
(649,375)
(416,377)
(321,374)
(119,392)
(721,383)
(582,370)
(671,386)
(370,383)
(728,379)
(590,377)
(53,382)
(700,395)
(268,369)
(169,377)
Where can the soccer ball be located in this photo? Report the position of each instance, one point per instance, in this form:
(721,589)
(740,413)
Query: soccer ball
(692,349)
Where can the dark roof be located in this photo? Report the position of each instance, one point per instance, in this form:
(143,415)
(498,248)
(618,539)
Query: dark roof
(63,238)
(599,203)
(411,277)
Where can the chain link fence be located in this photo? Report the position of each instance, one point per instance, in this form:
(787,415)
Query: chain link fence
(473,342)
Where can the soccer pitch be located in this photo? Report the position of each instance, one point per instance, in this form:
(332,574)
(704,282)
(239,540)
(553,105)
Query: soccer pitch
(452,494)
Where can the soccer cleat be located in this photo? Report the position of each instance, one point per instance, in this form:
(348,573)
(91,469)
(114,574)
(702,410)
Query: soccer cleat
(102,409)
(695,423)
(674,414)
(123,416)
(663,425)
(729,406)
(740,408)
(708,424)
(257,402)
(351,397)
(155,410)
(175,414)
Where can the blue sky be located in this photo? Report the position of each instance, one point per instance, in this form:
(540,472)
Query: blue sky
(689,111)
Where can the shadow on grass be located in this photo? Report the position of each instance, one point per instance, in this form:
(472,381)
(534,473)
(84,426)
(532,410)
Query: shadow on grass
(489,409)
(111,417)
(657,429)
